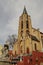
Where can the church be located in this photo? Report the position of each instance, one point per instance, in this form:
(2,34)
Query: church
(29,38)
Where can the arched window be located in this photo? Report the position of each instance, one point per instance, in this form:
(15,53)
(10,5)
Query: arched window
(26,24)
(27,50)
(21,49)
(42,40)
(35,47)
(22,34)
(22,25)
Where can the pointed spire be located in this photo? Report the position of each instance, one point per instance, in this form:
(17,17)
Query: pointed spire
(24,11)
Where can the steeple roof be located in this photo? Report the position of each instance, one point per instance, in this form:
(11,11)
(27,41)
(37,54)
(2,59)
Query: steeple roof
(24,11)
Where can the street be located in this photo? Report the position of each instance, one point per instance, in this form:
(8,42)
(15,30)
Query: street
(1,63)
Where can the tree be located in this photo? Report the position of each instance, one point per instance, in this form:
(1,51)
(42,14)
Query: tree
(11,39)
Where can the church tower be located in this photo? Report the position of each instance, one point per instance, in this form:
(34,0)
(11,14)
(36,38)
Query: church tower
(24,31)
(25,27)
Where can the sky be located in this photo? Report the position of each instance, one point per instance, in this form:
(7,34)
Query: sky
(11,10)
